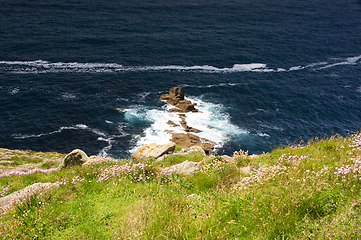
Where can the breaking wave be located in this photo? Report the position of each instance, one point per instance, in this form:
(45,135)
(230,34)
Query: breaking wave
(101,136)
(40,66)
(212,120)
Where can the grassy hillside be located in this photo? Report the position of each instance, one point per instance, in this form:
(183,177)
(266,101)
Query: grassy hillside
(309,191)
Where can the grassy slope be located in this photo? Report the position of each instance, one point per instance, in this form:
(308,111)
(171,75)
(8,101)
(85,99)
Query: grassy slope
(306,192)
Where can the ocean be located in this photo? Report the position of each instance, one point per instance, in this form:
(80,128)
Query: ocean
(89,74)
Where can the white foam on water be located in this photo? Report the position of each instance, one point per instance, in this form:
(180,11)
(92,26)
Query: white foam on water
(263,135)
(14,91)
(347,61)
(104,151)
(247,67)
(212,120)
(141,96)
(76,127)
(68,96)
(101,136)
(136,113)
(315,64)
(296,68)
(213,85)
(271,127)
(40,66)
(353,59)
(158,118)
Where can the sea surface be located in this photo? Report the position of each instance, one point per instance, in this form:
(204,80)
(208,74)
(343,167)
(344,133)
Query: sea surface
(89,74)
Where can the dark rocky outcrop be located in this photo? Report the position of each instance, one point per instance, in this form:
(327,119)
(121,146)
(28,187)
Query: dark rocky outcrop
(186,106)
(173,124)
(175,97)
(175,94)
(176,110)
(187,128)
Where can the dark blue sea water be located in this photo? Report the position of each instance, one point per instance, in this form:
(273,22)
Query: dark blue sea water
(89,74)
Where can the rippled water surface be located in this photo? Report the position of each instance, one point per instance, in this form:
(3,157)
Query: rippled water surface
(89,74)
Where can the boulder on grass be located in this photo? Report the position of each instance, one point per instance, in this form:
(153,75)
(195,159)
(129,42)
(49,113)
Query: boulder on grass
(186,167)
(18,197)
(153,150)
(228,158)
(76,157)
(194,149)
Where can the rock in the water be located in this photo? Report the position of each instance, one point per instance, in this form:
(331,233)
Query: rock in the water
(186,140)
(153,150)
(176,93)
(172,101)
(173,124)
(187,128)
(178,110)
(175,97)
(164,96)
(76,157)
(187,168)
(186,106)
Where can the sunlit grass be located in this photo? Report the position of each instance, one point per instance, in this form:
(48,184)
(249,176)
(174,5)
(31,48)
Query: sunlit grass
(308,191)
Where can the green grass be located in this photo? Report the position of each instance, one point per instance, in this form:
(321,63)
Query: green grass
(292,193)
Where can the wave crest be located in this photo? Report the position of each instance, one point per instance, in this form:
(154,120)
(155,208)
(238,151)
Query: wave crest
(40,66)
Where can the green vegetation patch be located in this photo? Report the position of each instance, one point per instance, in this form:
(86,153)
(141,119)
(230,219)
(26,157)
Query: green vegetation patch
(308,191)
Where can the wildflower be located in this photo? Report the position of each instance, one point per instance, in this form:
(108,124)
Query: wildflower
(35,170)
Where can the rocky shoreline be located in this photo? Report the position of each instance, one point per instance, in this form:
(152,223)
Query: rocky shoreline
(188,139)
(175,97)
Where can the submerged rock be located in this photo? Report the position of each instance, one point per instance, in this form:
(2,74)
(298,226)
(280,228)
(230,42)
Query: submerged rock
(153,150)
(173,124)
(76,157)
